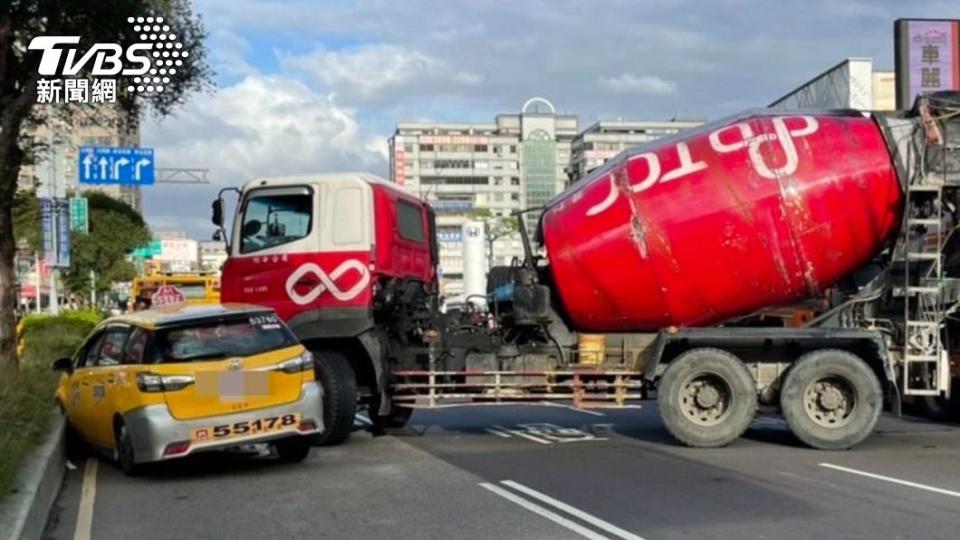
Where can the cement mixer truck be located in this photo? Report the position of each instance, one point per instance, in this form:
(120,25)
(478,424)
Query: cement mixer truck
(802,263)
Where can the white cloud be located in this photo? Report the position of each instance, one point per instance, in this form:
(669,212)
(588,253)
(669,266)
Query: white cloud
(260,126)
(647,84)
(371,72)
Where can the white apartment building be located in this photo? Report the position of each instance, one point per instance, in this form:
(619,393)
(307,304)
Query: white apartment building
(516,162)
(607,138)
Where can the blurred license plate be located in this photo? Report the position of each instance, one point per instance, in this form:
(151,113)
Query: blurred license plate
(246,428)
(233,385)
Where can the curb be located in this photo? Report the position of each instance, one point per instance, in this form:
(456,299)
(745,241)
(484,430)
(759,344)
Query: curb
(24,513)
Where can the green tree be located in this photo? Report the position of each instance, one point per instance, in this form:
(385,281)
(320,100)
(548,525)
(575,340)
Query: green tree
(115,230)
(497,227)
(95,21)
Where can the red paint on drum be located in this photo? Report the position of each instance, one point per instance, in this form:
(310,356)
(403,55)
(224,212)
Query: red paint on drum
(761,210)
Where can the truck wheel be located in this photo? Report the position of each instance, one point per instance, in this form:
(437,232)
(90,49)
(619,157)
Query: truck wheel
(831,399)
(339,383)
(707,398)
(395,419)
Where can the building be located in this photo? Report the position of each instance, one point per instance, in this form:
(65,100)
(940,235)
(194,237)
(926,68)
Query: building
(212,255)
(607,138)
(88,127)
(851,84)
(488,169)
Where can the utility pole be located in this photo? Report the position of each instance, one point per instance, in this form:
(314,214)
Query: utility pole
(54,230)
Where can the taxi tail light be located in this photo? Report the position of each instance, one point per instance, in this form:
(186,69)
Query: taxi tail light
(176,448)
(151,382)
(307,425)
(304,362)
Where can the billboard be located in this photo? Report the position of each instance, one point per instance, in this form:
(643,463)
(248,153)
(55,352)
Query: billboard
(927,57)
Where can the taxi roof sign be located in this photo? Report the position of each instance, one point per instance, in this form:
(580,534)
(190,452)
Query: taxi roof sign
(167,294)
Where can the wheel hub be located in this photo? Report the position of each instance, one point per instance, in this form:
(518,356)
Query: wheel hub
(830,402)
(705,399)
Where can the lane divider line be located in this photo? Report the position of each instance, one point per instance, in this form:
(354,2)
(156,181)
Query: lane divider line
(498,433)
(892,480)
(573,511)
(88,492)
(543,512)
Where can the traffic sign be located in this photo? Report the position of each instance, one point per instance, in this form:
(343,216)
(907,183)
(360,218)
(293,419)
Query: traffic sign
(115,165)
(79,215)
(167,294)
(150,250)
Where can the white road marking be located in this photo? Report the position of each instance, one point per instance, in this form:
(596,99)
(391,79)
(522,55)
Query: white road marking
(892,480)
(521,433)
(573,511)
(88,493)
(541,511)
(571,408)
(498,433)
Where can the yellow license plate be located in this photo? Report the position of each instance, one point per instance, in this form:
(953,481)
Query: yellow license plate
(246,428)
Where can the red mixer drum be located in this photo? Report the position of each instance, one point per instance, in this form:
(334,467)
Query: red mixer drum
(760,210)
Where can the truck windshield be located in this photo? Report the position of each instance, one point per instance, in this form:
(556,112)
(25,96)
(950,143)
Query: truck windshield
(274,219)
(251,334)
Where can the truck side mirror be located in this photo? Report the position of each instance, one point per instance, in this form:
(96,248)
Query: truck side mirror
(217,217)
(217,237)
(64,364)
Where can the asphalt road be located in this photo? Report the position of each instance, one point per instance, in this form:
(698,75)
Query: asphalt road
(539,472)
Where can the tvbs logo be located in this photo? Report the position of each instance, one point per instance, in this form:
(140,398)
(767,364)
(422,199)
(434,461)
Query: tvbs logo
(150,62)
(106,58)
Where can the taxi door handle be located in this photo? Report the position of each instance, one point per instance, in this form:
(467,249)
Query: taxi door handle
(110,380)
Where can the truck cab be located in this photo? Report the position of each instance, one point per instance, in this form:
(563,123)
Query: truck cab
(331,254)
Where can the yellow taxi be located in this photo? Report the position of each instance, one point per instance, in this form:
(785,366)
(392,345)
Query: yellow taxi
(179,379)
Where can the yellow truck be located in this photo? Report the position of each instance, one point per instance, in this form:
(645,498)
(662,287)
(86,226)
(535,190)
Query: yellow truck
(197,288)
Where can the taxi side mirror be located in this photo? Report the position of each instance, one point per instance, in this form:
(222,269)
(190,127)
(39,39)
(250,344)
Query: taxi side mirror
(64,364)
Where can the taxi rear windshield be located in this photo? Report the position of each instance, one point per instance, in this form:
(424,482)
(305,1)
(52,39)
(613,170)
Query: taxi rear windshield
(251,334)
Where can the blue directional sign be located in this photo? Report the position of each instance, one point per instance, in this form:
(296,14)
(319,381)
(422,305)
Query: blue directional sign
(115,165)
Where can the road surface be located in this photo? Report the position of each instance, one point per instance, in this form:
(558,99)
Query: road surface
(537,472)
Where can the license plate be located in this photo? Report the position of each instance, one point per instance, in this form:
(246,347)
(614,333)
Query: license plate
(246,428)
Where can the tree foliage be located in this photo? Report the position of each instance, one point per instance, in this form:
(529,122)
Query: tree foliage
(497,227)
(94,21)
(115,229)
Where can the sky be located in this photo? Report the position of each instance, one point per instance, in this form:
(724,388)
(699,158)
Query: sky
(318,86)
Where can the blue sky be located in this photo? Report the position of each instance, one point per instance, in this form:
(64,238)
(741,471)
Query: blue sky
(314,86)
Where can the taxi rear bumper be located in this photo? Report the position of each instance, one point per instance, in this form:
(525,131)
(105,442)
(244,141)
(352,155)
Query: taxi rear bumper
(152,429)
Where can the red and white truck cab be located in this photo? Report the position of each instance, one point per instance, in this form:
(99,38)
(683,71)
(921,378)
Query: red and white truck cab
(332,254)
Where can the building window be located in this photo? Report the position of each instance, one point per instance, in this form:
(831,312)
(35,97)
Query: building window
(515,197)
(452,164)
(514,181)
(479,148)
(455,180)
(426,148)
(408,148)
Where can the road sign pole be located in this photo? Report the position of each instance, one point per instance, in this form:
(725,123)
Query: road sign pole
(54,304)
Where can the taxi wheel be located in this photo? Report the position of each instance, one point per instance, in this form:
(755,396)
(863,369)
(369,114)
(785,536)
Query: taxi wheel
(293,450)
(339,396)
(125,453)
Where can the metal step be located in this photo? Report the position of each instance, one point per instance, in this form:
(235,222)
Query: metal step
(923,221)
(924,187)
(920,358)
(924,324)
(923,290)
(923,255)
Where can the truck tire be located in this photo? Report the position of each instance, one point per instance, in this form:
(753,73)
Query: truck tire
(339,383)
(395,419)
(831,399)
(707,398)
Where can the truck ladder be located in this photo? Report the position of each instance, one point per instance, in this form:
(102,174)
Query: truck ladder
(924,354)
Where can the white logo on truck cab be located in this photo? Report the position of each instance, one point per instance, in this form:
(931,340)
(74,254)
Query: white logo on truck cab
(327,282)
